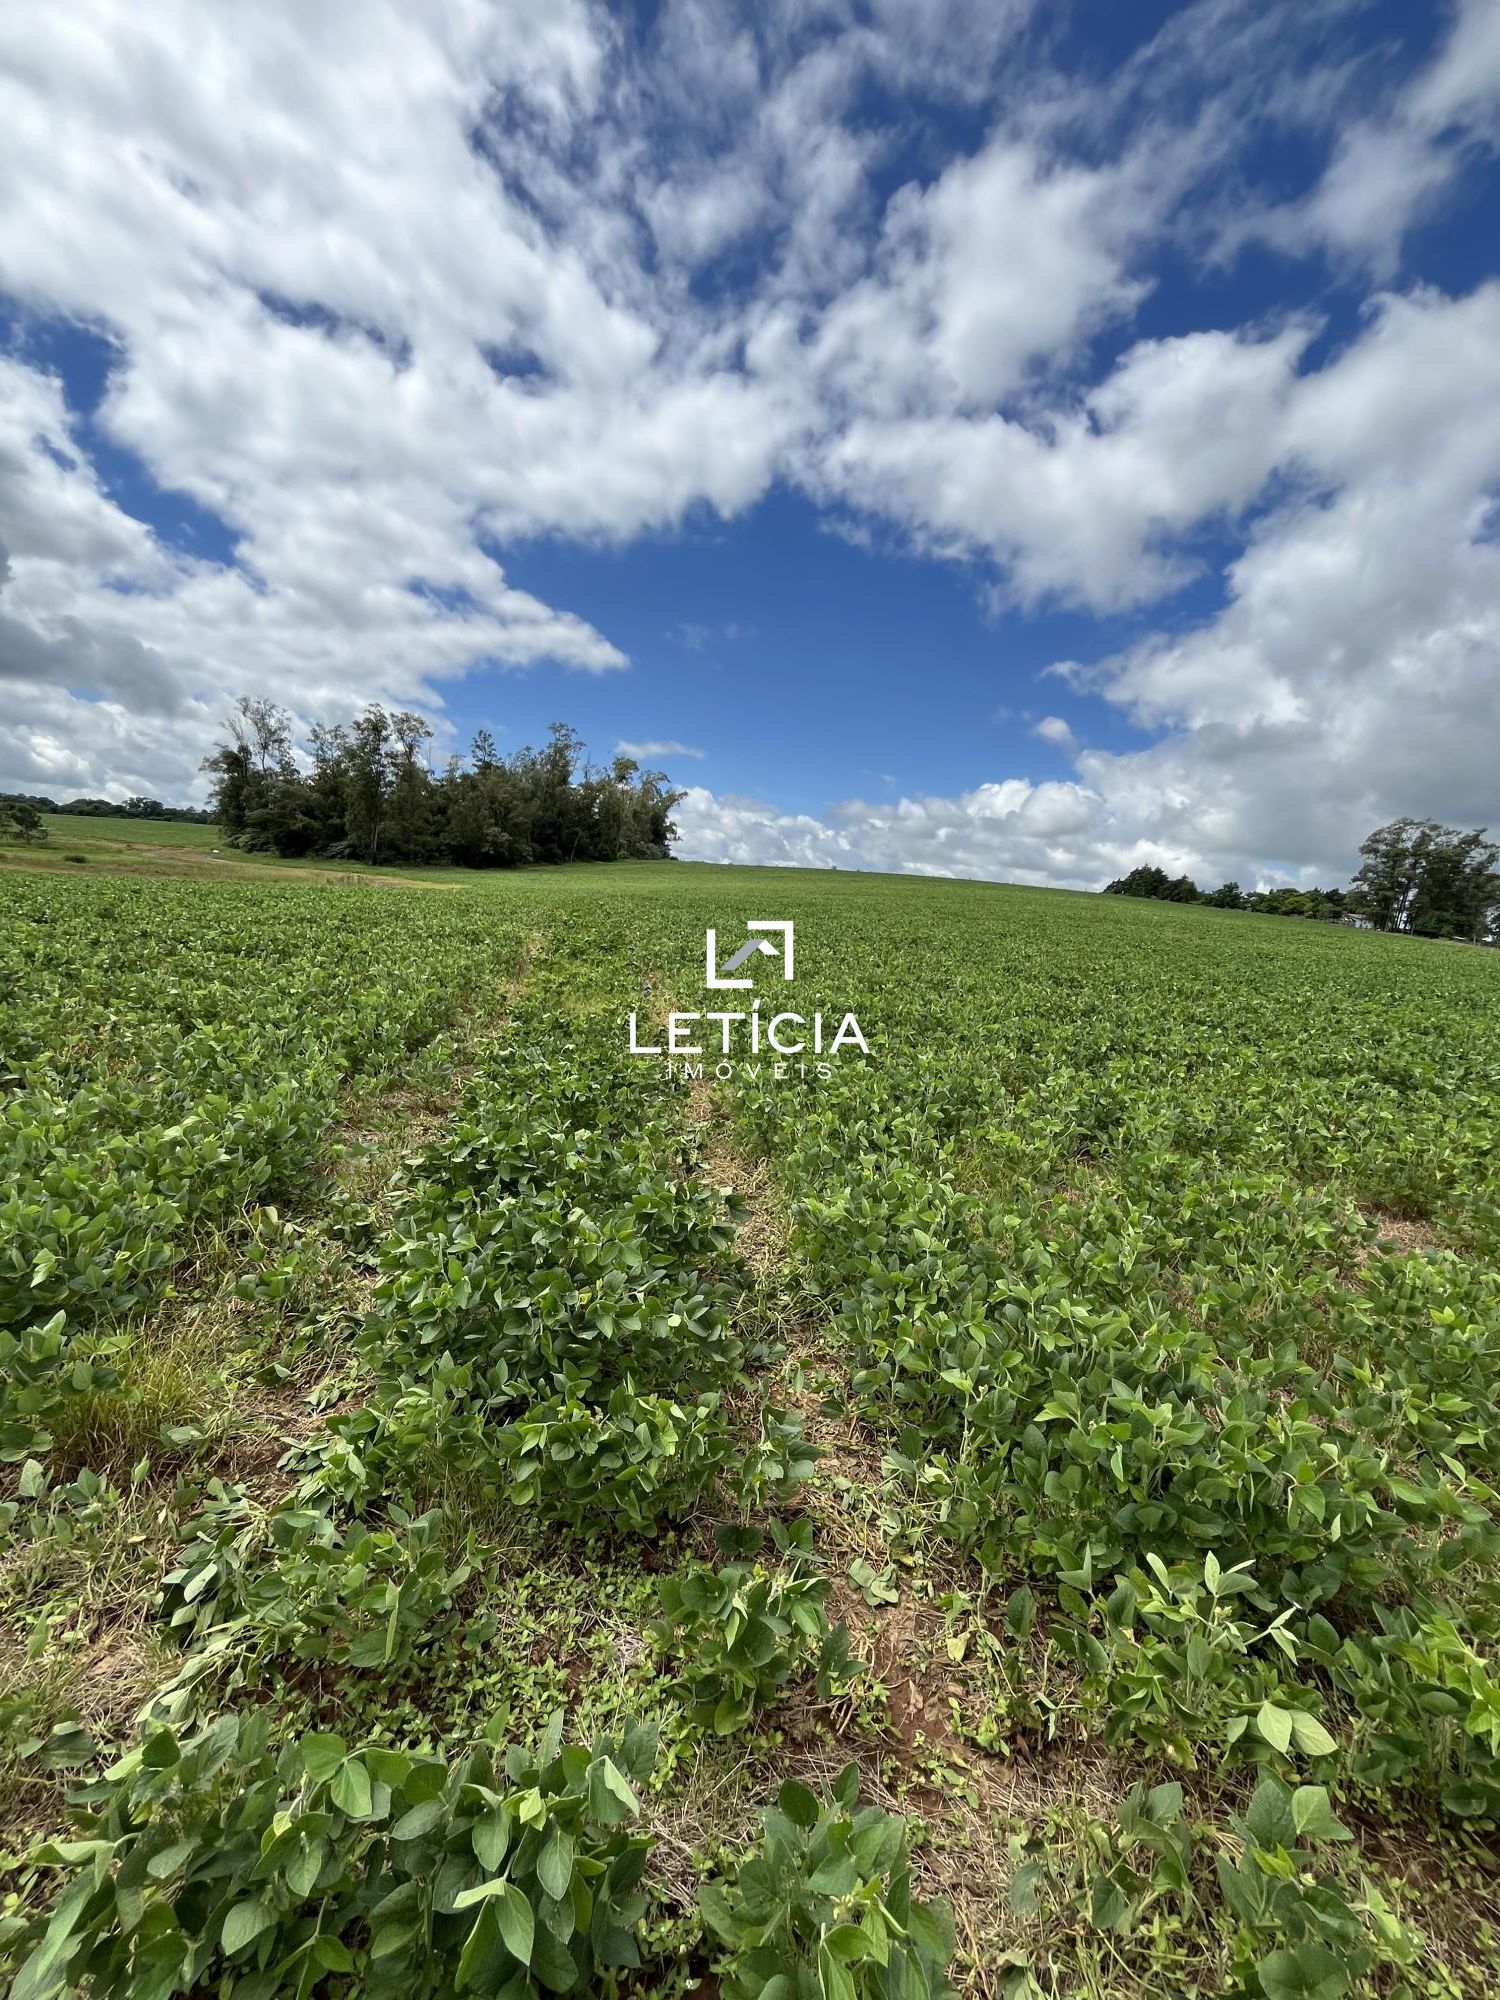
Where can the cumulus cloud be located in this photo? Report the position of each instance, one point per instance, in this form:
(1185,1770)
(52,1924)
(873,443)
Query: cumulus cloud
(1054,730)
(1064,834)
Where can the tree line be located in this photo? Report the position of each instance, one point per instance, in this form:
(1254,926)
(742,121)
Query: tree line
(371,795)
(1415,876)
(21,812)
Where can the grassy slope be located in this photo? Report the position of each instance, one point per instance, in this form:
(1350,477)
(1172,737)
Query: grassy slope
(177,849)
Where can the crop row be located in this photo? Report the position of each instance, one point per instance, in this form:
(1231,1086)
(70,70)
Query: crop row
(167,1059)
(551,1333)
(1120,1320)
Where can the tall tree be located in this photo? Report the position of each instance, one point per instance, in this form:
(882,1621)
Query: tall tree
(1429,879)
(368,782)
(247,769)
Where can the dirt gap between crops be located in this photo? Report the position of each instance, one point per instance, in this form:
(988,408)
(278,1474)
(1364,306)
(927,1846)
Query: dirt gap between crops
(920,1761)
(1400,1233)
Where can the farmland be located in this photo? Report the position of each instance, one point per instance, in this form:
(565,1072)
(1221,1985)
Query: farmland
(484,1514)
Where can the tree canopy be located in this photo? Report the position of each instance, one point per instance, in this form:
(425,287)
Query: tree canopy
(369,794)
(20,818)
(1431,880)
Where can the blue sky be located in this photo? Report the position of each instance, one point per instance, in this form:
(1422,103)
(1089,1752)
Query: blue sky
(970,438)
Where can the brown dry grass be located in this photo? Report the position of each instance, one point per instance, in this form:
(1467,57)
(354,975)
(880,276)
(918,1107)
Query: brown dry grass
(1402,1234)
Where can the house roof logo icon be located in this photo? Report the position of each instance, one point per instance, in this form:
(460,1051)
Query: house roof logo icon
(753,947)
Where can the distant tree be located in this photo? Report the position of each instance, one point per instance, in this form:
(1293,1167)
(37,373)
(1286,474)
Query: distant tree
(1323,905)
(1432,880)
(249,770)
(1143,881)
(1156,884)
(412,821)
(1415,876)
(20,820)
(88,808)
(135,808)
(368,783)
(371,794)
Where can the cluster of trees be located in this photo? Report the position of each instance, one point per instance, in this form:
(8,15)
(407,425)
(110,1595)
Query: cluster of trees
(1416,876)
(371,795)
(133,808)
(1159,886)
(1327,905)
(1431,880)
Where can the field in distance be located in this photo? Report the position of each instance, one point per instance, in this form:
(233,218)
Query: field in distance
(457,1474)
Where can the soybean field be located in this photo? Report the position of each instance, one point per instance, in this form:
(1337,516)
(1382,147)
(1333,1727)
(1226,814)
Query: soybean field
(524,1471)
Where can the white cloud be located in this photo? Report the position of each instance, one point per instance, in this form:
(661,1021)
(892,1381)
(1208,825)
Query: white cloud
(1003,263)
(1053,729)
(391,288)
(1010,829)
(1387,173)
(642,752)
(1085,505)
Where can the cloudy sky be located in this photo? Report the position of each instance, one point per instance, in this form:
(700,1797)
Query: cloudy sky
(953,435)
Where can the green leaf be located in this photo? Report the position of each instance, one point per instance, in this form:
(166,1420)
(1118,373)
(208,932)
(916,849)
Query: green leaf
(1275,1725)
(517,1924)
(1020,1612)
(1308,1972)
(1312,1815)
(482,1892)
(834,1981)
(730,1714)
(169,1859)
(834,1878)
(607,1783)
(1467,1800)
(847,1943)
(490,1837)
(798,1803)
(1311,1738)
(1108,1904)
(304,1867)
(554,1869)
(477,1947)
(551,1739)
(930,1928)
(421,1819)
(1268,1817)
(244,1924)
(350,1790)
(1022,1896)
(321,1756)
(1164,1802)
